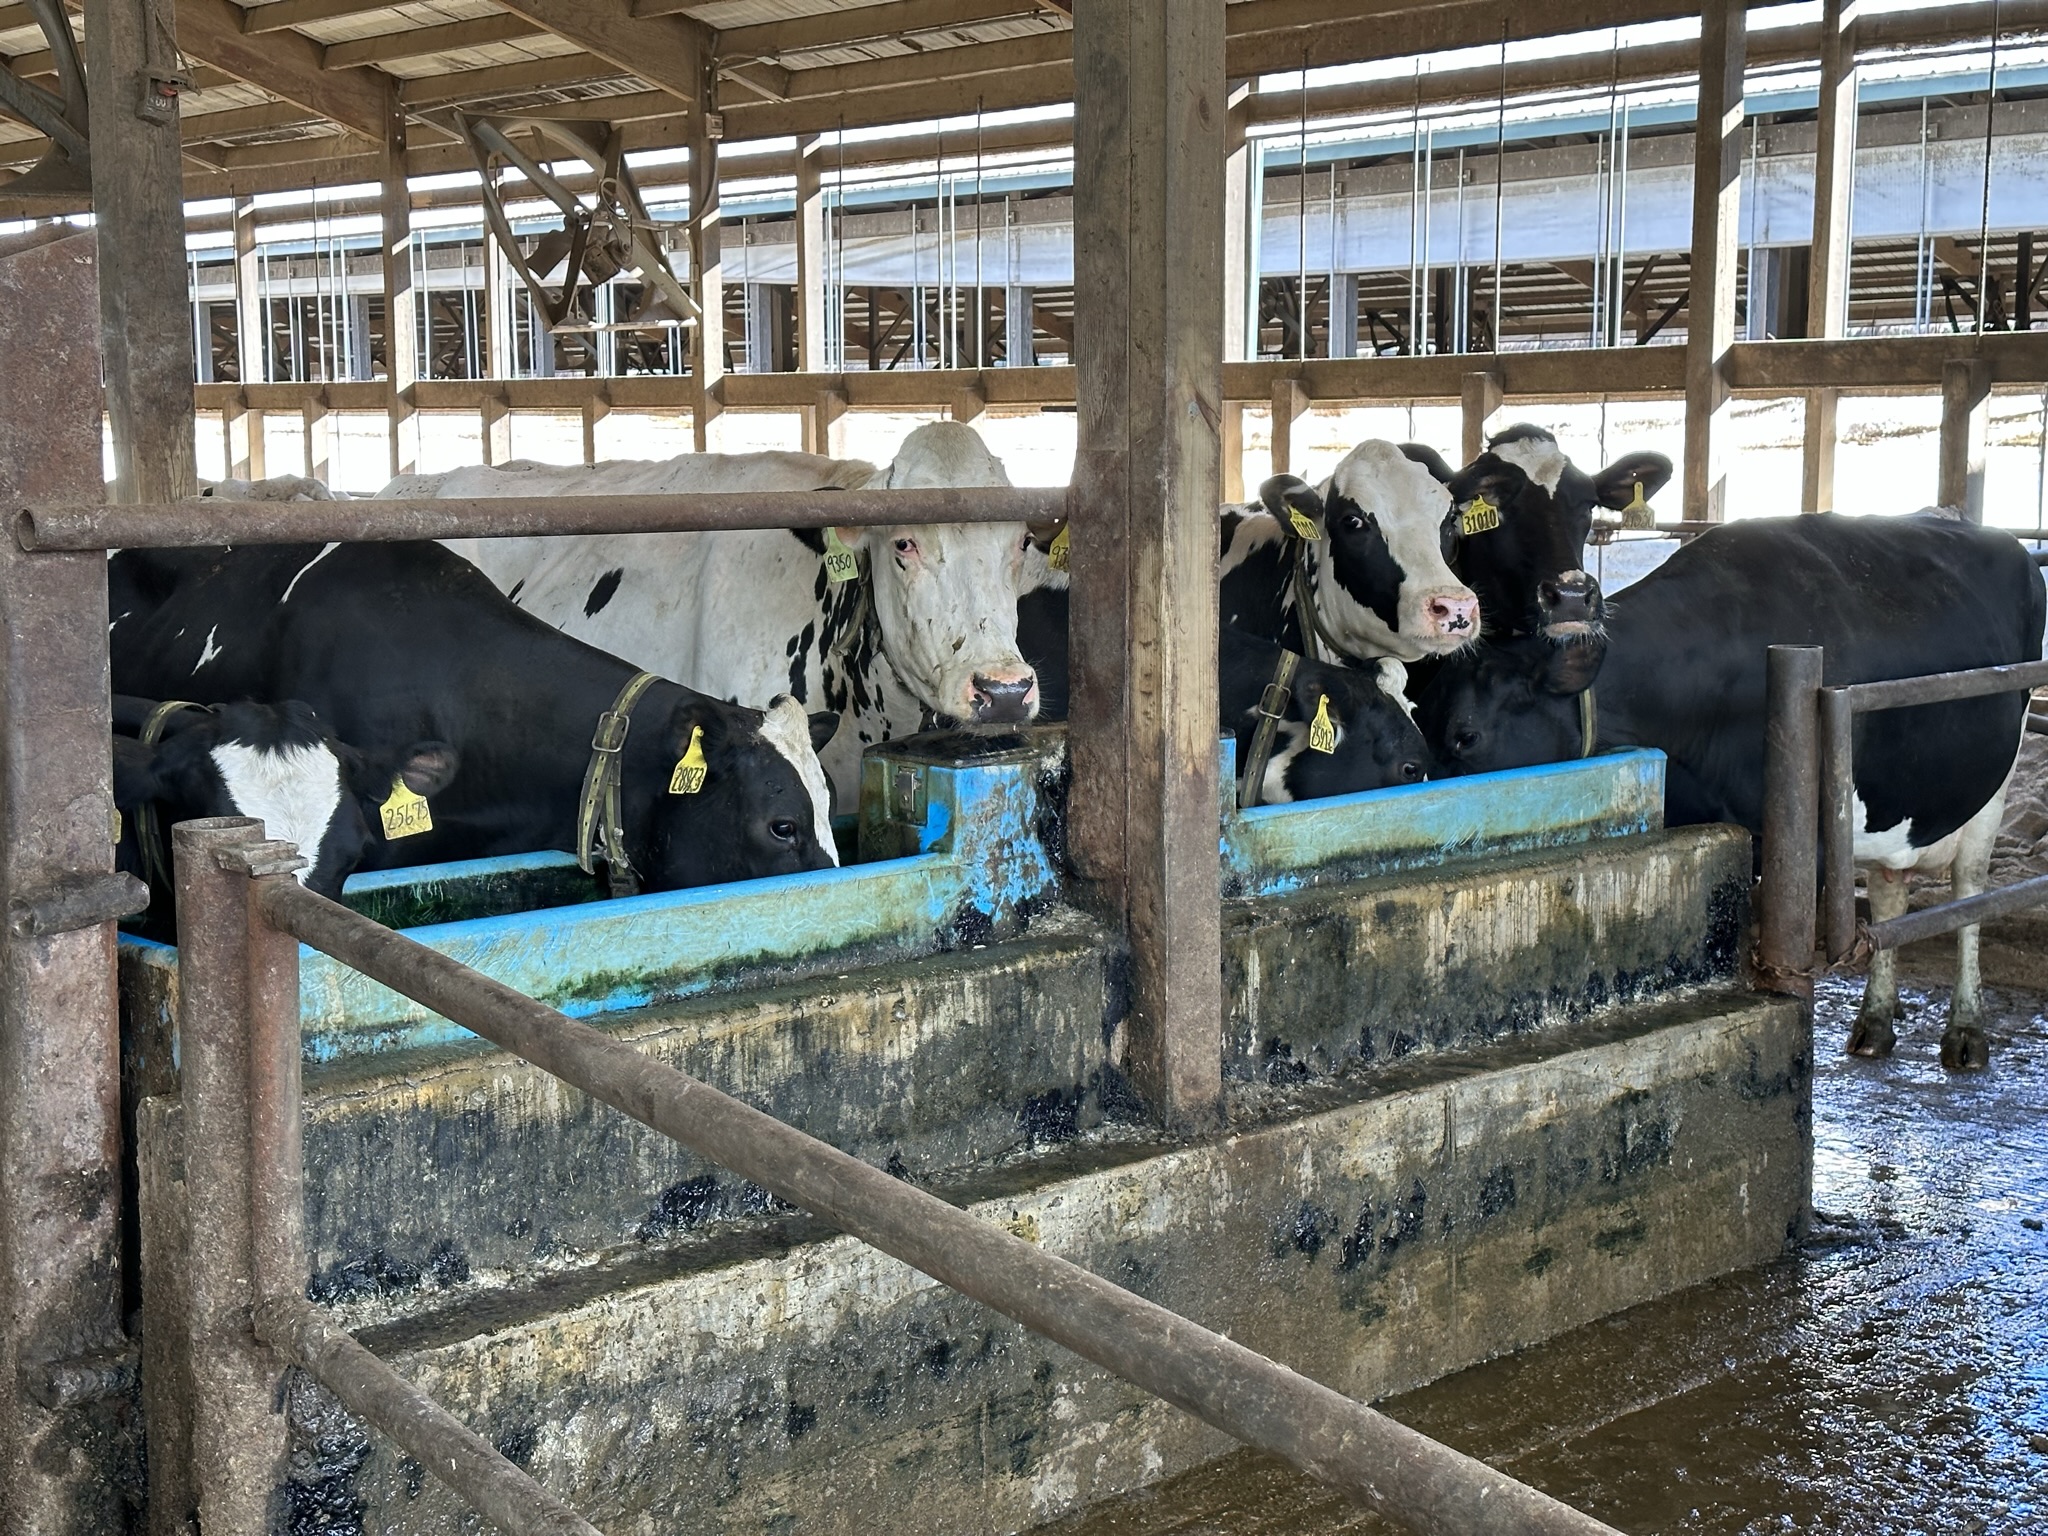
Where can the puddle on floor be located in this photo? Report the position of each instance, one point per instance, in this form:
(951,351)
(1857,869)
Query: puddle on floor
(1890,1377)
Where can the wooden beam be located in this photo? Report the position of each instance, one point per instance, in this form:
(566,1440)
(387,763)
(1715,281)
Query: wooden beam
(201,127)
(1716,203)
(1481,396)
(138,198)
(1958,258)
(504,80)
(401,314)
(1827,294)
(853,24)
(811,275)
(1290,403)
(1150,110)
(707,277)
(1965,417)
(282,63)
(298,13)
(665,51)
(418,42)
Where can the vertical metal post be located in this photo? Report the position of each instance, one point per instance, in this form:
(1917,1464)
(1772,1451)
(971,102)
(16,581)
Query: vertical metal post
(1838,821)
(60,1198)
(1785,898)
(1150,108)
(277,1162)
(238,1442)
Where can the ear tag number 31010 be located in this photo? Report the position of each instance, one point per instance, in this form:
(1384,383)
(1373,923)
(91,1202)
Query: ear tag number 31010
(405,814)
(1482,516)
(691,769)
(841,563)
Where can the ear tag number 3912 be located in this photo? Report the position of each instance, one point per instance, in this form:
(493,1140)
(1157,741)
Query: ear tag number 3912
(1303,525)
(1322,731)
(1482,516)
(1056,553)
(841,564)
(405,814)
(691,769)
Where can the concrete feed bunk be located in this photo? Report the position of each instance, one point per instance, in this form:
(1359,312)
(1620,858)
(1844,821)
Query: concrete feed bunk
(1470,1105)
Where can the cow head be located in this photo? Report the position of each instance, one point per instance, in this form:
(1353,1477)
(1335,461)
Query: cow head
(279,764)
(762,806)
(1375,741)
(945,594)
(1526,556)
(1510,703)
(1383,584)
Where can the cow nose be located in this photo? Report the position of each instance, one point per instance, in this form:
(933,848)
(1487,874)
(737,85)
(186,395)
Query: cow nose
(1004,700)
(1571,597)
(1453,615)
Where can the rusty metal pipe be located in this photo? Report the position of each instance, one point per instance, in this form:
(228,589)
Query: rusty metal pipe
(1427,1487)
(1791,820)
(1838,821)
(1930,922)
(1939,687)
(435,1438)
(207,522)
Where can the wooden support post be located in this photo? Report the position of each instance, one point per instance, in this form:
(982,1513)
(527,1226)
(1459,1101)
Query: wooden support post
(497,429)
(969,402)
(501,353)
(1290,404)
(1481,396)
(1240,261)
(60,1202)
(1965,413)
(242,422)
(707,272)
(318,449)
(595,409)
(820,421)
(1149,111)
(1716,202)
(138,194)
(401,317)
(813,301)
(1827,293)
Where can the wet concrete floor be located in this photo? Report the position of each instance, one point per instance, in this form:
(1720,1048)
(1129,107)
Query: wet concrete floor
(1890,1377)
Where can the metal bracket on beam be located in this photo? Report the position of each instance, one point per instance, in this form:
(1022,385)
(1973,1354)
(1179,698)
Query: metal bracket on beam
(61,1384)
(271,857)
(78,901)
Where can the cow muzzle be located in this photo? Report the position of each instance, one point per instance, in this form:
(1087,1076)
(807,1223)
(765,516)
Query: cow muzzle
(1452,615)
(1570,603)
(1006,698)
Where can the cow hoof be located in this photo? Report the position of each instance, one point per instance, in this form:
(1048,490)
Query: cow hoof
(1965,1049)
(1872,1037)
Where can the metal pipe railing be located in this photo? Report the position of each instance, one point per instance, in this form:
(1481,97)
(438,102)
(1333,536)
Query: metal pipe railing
(1424,1485)
(209,520)
(1784,961)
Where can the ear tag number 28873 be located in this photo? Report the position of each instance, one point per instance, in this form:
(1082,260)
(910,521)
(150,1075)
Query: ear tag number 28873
(841,563)
(405,814)
(691,769)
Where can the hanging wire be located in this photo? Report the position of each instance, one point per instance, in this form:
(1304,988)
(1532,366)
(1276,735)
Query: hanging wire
(1417,317)
(839,331)
(980,297)
(1500,156)
(1301,215)
(1984,278)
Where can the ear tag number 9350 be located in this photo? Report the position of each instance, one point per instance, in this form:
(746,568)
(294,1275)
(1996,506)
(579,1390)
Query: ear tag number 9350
(841,564)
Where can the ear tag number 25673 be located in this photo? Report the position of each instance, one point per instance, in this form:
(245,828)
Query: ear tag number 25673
(405,814)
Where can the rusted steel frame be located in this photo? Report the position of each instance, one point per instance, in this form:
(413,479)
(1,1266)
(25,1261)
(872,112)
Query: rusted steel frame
(190,524)
(427,1432)
(1838,821)
(1425,1486)
(1791,815)
(1940,687)
(1931,922)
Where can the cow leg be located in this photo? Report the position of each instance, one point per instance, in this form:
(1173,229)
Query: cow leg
(1873,1034)
(1963,1044)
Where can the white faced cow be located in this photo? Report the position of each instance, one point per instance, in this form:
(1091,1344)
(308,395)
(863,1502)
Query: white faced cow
(926,631)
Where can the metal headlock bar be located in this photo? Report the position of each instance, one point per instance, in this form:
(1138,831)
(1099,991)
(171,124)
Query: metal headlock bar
(209,520)
(1426,1486)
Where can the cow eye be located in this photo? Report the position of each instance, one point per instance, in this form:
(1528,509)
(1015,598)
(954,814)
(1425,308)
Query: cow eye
(1351,522)
(906,547)
(1465,741)
(783,830)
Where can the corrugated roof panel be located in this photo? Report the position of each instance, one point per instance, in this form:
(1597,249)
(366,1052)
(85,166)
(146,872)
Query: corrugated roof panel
(403,18)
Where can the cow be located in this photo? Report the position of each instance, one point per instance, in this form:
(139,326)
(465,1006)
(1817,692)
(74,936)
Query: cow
(407,642)
(924,633)
(276,762)
(1372,739)
(1683,671)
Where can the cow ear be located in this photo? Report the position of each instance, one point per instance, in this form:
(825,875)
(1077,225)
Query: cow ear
(1042,534)
(428,767)
(851,537)
(135,774)
(1286,495)
(824,726)
(1615,486)
(1570,669)
(1430,460)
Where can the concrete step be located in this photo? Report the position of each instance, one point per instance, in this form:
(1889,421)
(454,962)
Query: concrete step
(759,1374)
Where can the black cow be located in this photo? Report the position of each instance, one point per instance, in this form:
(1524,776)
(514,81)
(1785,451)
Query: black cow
(276,762)
(1684,672)
(1375,743)
(398,643)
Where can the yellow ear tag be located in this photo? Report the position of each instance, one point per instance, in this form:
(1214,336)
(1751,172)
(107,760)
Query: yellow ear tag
(841,564)
(1303,525)
(691,768)
(1480,517)
(405,813)
(1322,733)
(1056,552)
(1637,513)
(117,826)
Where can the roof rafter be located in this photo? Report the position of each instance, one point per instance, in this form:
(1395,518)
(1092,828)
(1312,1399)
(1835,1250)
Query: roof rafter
(280,14)
(855,24)
(284,64)
(418,42)
(504,80)
(668,52)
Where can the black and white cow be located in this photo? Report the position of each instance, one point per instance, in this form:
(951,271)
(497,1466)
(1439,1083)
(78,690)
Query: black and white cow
(1684,672)
(1524,514)
(1376,536)
(1374,740)
(276,762)
(926,631)
(399,643)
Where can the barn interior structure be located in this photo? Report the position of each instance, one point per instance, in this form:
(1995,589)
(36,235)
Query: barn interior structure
(1083,1122)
